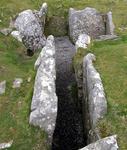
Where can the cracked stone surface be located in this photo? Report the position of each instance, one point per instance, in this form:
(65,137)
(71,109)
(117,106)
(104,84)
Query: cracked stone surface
(68,132)
(44,101)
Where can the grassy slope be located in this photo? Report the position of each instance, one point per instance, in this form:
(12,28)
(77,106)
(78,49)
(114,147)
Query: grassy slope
(111,62)
(15,104)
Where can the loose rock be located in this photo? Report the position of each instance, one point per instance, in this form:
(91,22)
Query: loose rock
(6,145)
(2,87)
(29,79)
(17,83)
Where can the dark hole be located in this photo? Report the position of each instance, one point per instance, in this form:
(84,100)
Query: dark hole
(30,52)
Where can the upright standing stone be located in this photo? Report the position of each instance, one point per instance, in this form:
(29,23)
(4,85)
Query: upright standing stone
(97,104)
(44,101)
(109,24)
(88,21)
(83,41)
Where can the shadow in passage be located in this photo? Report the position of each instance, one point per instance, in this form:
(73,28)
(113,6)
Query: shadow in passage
(68,134)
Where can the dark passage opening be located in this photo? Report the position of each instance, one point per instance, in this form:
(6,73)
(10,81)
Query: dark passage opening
(69,132)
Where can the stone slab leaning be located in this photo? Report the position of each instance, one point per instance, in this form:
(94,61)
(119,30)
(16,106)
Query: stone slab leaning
(44,101)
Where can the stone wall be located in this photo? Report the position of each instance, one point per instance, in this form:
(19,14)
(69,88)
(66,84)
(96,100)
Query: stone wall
(91,97)
(44,101)
(95,104)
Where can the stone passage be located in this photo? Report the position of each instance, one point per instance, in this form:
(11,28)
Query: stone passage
(68,134)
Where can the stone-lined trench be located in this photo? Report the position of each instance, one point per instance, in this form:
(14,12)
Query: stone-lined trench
(68,134)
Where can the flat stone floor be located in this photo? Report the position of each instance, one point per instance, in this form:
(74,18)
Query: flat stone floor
(68,134)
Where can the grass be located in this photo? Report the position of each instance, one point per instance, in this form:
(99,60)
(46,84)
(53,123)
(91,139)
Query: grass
(111,62)
(15,103)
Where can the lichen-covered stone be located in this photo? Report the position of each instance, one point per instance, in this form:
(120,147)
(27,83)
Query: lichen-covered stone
(97,104)
(31,28)
(88,21)
(44,101)
(108,143)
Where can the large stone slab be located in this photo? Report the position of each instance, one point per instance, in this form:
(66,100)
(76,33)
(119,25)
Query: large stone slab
(108,143)
(31,27)
(44,101)
(97,104)
(87,21)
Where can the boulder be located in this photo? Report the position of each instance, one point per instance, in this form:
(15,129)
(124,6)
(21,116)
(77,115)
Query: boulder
(108,143)
(44,101)
(2,87)
(88,21)
(31,28)
(83,41)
